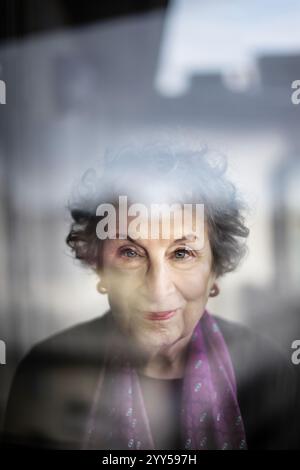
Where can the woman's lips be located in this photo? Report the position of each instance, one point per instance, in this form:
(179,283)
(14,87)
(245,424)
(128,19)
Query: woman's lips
(165,315)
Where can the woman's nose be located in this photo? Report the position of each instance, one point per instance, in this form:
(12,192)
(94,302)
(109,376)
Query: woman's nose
(158,284)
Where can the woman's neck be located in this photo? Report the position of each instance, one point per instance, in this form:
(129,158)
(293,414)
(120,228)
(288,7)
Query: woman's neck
(169,364)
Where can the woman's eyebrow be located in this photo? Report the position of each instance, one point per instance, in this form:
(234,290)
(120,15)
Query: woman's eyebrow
(191,238)
(123,236)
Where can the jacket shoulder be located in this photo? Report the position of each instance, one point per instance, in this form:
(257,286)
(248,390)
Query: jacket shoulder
(266,387)
(54,384)
(82,342)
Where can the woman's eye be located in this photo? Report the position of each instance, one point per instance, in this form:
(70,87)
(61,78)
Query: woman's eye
(183,253)
(129,253)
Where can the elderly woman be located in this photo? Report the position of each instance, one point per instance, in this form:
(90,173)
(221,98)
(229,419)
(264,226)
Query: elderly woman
(157,371)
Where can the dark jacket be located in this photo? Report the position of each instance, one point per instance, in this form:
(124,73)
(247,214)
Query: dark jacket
(53,388)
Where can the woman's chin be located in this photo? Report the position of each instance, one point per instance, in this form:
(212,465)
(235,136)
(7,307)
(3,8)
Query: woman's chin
(152,342)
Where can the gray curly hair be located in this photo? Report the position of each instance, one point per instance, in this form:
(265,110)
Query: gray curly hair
(188,175)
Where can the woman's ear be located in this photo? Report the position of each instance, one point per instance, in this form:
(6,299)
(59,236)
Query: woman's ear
(100,284)
(101,288)
(214,286)
(215,290)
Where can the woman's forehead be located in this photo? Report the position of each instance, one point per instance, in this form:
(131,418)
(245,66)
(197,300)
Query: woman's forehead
(162,223)
(164,236)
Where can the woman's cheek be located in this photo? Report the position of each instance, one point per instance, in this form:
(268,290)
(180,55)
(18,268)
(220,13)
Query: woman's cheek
(192,286)
(122,289)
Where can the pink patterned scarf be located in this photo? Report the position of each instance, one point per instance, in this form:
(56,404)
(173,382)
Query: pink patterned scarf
(209,414)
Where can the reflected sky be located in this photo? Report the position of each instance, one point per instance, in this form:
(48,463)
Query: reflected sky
(201,37)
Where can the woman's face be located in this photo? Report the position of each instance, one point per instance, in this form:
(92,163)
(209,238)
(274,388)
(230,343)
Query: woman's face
(146,277)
